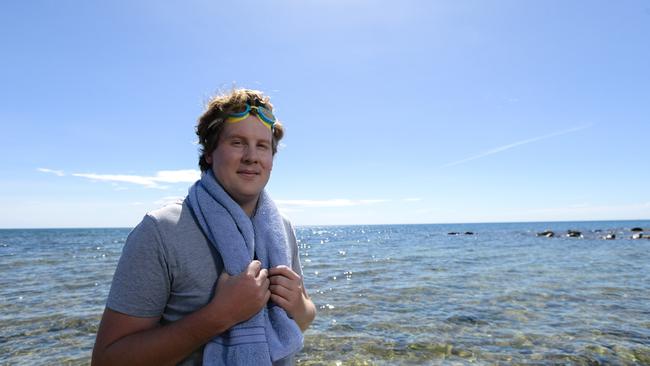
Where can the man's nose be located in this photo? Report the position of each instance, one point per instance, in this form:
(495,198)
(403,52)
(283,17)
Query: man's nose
(250,155)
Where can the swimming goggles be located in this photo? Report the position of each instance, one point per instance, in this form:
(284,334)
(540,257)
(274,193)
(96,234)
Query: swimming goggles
(264,114)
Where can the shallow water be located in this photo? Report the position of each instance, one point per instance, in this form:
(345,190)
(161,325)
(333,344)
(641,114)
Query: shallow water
(386,295)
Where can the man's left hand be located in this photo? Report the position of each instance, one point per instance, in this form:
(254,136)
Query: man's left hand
(288,292)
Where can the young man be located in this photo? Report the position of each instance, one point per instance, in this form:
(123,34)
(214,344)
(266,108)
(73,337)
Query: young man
(215,279)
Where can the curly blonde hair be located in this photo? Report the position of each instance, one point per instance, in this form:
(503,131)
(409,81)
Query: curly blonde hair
(210,124)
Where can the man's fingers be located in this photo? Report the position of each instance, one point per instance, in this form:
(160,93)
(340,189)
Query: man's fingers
(280,280)
(280,270)
(280,301)
(285,282)
(263,273)
(254,268)
(283,292)
(224,276)
(284,271)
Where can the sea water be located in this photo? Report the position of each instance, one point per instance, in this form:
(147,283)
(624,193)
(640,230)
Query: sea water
(386,295)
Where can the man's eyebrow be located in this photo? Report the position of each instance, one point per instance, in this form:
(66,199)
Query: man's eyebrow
(242,137)
(234,136)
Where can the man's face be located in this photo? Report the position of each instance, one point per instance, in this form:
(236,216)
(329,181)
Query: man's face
(243,160)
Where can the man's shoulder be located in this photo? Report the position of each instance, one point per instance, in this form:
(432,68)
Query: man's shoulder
(169,214)
(156,223)
(289,229)
(176,222)
(286,221)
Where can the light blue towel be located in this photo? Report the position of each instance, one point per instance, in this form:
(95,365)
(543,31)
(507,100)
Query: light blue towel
(270,335)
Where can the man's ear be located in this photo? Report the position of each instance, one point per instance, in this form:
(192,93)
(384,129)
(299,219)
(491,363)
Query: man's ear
(208,158)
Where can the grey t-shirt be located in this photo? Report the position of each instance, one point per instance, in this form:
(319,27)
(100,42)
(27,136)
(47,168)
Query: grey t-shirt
(169,269)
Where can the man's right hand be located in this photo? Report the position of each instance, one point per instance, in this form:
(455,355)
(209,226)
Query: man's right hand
(243,295)
(124,339)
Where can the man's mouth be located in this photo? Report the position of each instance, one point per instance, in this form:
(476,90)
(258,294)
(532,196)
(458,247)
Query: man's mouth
(247,173)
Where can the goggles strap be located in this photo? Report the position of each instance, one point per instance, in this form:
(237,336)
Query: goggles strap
(239,119)
(259,113)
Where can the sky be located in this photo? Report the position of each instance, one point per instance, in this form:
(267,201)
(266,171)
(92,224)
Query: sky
(395,112)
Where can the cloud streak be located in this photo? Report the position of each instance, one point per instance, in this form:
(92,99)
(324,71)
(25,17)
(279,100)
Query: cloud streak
(59,173)
(163,176)
(168,200)
(337,202)
(513,145)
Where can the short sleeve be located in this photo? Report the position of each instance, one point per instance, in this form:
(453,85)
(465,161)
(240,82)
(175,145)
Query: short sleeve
(293,247)
(142,281)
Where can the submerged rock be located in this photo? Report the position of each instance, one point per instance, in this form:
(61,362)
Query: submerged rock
(636,229)
(609,236)
(638,236)
(642,355)
(469,233)
(466,319)
(434,349)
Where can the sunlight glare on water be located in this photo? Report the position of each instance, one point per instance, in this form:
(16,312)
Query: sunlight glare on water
(386,295)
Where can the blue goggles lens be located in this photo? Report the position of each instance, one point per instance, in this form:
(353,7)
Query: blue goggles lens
(262,112)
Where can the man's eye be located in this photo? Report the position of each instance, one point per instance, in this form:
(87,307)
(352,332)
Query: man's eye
(236,142)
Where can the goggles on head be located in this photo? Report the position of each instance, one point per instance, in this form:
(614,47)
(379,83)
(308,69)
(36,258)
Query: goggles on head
(264,114)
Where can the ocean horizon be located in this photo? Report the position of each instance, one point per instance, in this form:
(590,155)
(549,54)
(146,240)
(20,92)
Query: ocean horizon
(392,224)
(403,294)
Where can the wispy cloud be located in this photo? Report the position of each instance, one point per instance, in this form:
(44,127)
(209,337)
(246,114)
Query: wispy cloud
(337,202)
(163,176)
(177,176)
(52,171)
(168,200)
(513,145)
(287,210)
(298,205)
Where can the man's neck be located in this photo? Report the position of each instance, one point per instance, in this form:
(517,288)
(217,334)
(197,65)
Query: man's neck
(249,208)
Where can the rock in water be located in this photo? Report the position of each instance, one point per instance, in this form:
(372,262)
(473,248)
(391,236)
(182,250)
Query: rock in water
(547,233)
(573,234)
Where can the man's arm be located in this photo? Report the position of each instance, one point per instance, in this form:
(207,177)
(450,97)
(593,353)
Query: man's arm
(287,290)
(124,339)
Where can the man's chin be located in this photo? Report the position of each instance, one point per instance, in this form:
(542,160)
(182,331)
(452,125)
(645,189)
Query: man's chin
(245,197)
